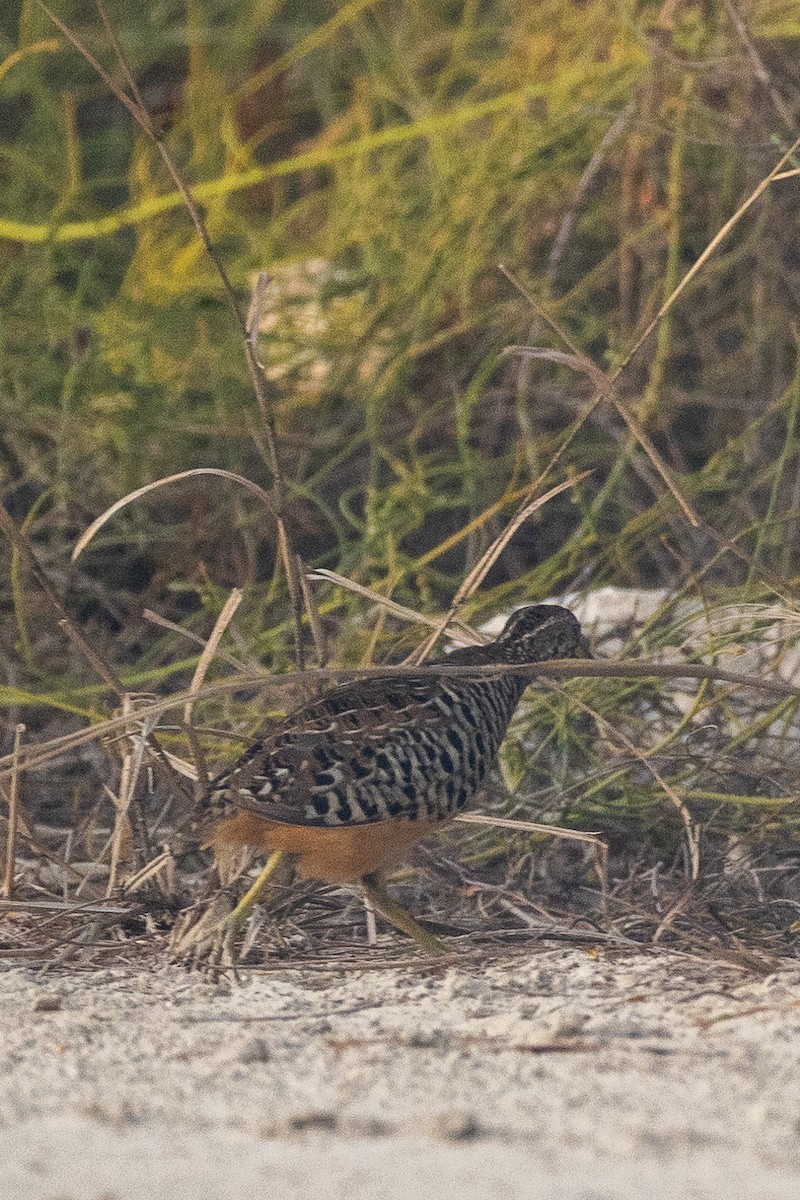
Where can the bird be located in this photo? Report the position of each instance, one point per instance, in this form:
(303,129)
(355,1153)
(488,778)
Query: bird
(345,785)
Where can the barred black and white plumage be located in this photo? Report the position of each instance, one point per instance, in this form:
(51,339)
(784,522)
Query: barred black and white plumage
(413,748)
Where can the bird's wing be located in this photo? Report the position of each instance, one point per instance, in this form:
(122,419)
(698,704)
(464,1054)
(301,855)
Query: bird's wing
(338,746)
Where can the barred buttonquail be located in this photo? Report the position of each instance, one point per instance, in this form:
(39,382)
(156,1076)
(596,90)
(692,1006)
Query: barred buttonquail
(346,784)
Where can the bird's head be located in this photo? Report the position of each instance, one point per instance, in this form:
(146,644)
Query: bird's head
(538,632)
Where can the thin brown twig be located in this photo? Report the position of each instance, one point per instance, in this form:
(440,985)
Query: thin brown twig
(209,650)
(598,843)
(292,562)
(22,546)
(91,656)
(672,912)
(164,623)
(13,816)
(294,585)
(162,867)
(256,313)
(703,258)
(561,669)
(457,629)
(518,826)
(312,612)
(692,831)
(160,759)
(590,173)
(123,62)
(62,907)
(132,761)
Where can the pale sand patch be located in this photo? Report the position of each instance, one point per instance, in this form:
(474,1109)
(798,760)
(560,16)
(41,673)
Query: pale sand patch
(655,1076)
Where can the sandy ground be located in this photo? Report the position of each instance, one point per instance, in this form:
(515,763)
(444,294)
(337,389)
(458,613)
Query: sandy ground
(559,1073)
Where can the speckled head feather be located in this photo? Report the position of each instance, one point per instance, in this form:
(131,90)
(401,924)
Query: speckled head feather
(531,634)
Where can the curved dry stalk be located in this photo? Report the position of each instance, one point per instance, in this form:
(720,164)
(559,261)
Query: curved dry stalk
(99,522)
(605,386)
(209,650)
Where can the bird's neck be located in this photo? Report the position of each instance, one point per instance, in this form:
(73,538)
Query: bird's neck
(499,694)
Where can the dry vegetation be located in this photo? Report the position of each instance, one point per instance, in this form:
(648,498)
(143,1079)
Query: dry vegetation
(372,432)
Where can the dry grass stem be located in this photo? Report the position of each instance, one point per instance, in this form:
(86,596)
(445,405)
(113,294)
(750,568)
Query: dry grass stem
(691,830)
(518,826)
(256,312)
(99,522)
(162,867)
(715,242)
(22,547)
(13,816)
(668,920)
(597,161)
(456,629)
(220,625)
(156,619)
(312,612)
(759,68)
(210,649)
(258,378)
(133,757)
(91,657)
(513,824)
(181,766)
(294,575)
(64,906)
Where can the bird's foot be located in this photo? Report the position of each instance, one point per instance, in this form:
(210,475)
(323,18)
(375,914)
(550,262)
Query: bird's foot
(210,943)
(383,903)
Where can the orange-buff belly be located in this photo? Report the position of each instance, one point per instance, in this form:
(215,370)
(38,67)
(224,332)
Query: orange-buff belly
(341,854)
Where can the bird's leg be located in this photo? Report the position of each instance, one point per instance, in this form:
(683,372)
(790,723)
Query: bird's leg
(238,918)
(212,941)
(380,899)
